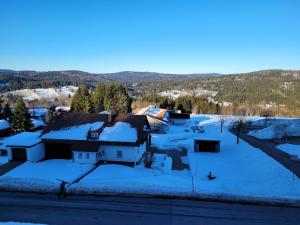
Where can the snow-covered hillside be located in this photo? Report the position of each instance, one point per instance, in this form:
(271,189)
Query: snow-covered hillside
(45,93)
(178,93)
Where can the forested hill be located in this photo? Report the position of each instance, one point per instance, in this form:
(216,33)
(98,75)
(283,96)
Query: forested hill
(277,87)
(34,79)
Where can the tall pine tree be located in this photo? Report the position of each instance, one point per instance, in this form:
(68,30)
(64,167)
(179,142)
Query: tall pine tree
(21,120)
(81,100)
(98,97)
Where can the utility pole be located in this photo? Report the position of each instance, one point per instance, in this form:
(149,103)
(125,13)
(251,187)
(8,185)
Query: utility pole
(238,132)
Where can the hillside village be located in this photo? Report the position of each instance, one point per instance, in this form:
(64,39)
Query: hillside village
(154,151)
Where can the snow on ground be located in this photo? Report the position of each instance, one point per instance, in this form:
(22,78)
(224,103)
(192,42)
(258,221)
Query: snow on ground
(3,160)
(290,149)
(42,176)
(45,93)
(279,128)
(242,171)
(117,131)
(123,179)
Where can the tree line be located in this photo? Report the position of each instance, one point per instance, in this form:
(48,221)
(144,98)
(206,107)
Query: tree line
(105,97)
(186,104)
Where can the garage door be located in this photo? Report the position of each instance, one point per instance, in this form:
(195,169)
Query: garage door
(58,151)
(19,154)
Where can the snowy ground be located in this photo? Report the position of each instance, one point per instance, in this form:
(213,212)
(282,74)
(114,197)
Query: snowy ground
(290,149)
(42,176)
(277,128)
(242,172)
(45,93)
(3,160)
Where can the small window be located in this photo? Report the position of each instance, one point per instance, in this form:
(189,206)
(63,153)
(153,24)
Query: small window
(87,155)
(80,155)
(119,154)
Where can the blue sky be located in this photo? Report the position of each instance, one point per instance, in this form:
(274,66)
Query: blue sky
(183,36)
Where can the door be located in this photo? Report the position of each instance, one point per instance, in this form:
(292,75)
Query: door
(19,154)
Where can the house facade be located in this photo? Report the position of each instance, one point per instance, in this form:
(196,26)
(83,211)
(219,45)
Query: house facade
(85,138)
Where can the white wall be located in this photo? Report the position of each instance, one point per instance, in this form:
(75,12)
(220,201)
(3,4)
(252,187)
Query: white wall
(9,153)
(129,153)
(35,153)
(86,157)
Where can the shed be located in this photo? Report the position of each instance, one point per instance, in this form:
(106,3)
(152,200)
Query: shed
(179,118)
(206,145)
(25,146)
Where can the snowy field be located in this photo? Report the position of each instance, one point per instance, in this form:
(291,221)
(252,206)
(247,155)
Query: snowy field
(45,93)
(242,171)
(277,128)
(42,176)
(290,149)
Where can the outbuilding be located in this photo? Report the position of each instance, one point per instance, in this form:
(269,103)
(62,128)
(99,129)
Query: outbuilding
(25,146)
(4,128)
(207,145)
(179,118)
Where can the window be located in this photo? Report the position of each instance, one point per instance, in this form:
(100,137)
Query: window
(87,155)
(119,154)
(80,155)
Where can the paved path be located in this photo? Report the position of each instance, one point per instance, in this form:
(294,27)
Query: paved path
(47,209)
(176,155)
(269,148)
(9,166)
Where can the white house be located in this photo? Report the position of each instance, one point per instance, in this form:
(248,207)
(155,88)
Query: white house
(89,138)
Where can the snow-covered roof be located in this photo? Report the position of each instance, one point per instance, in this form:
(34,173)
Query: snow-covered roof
(24,139)
(40,111)
(74,132)
(62,108)
(37,123)
(120,132)
(4,125)
(155,112)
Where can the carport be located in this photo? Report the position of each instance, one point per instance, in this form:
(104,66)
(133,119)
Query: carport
(58,150)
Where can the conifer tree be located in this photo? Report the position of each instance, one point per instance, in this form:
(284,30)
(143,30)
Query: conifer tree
(21,120)
(49,114)
(79,99)
(98,97)
(88,104)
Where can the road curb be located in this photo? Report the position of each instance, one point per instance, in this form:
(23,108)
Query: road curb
(195,197)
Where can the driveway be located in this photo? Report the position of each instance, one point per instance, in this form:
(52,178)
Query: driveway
(269,147)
